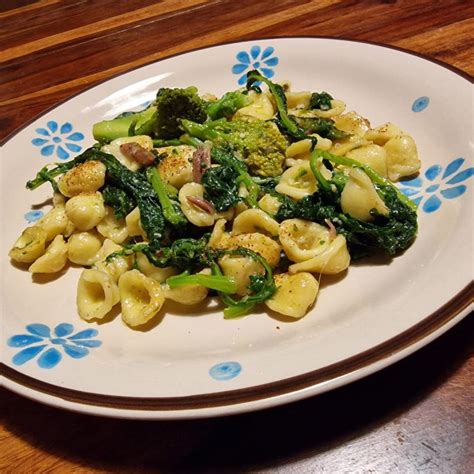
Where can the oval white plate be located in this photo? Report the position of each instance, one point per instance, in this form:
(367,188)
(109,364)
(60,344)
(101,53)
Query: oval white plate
(192,365)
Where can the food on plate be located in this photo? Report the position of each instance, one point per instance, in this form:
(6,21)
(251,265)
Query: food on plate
(250,197)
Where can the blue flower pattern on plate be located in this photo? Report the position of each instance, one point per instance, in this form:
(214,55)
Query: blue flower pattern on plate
(225,370)
(58,139)
(420,104)
(255,59)
(437,184)
(39,339)
(33,216)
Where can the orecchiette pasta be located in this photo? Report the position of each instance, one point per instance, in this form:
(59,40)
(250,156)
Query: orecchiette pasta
(334,259)
(112,228)
(54,259)
(382,134)
(298,100)
(87,177)
(342,146)
(114,267)
(85,211)
(176,167)
(133,223)
(352,123)
(240,269)
(157,273)
(297,181)
(219,238)
(302,240)
(371,155)
(54,222)
(402,157)
(295,294)
(195,214)
(359,197)
(259,243)
(141,297)
(97,294)
(29,246)
(255,220)
(84,247)
(261,107)
(270,204)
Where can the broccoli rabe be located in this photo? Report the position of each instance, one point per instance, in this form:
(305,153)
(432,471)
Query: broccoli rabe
(160,120)
(259,143)
(171,210)
(285,122)
(320,100)
(227,105)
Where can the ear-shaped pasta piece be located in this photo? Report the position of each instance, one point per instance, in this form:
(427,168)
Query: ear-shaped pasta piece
(297,181)
(295,294)
(402,157)
(270,204)
(372,155)
(53,260)
(302,240)
(240,269)
(301,149)
(342,146)
(176,167)
(134,225)
(259,243)
(382,134)
(219,237)
(255,220)
(141,297)
(193,213)
(86,177)
(84,247)
(85,211)
(190,294)
(359,197)
(113,148)
(334,259)
(54,222)
(261,107)
(112,228)
(29,246)
(148,269)
(352,123)
(116,266)
(298,100)
(97,294)
(337,108)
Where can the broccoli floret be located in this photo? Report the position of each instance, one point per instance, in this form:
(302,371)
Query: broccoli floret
(172,105)
(160,120)
(227,105)
(259,143)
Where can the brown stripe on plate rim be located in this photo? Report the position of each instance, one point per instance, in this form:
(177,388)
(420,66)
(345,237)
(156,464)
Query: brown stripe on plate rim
(453,69)
(264,391)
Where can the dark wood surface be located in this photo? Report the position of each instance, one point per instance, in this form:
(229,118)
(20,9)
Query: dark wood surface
(416,416)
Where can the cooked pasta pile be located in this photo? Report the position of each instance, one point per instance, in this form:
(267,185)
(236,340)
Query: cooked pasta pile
(250,197)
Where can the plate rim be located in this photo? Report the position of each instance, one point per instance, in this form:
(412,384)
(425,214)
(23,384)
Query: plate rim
(389,351)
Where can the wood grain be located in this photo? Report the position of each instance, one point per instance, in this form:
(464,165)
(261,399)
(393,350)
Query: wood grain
(413,417)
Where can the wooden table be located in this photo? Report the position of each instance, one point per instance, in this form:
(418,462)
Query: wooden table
(416,416)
